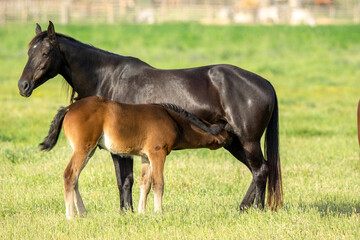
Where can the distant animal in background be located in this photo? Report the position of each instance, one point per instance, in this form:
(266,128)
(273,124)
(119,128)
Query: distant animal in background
(151,131)
(358,122)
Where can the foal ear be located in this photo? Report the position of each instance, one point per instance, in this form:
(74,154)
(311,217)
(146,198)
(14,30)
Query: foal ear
(51,31)
(37,29)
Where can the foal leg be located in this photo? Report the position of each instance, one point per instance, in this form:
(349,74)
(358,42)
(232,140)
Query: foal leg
(124,177)
(145,183)
(157,173)
(79,204)
(71,177)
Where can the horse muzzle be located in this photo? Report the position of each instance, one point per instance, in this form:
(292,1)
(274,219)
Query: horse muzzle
(25,88)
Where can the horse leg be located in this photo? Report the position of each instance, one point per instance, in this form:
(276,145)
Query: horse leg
(71,177)
(238,152)
(124,177)
(260,171)
(79,204)
(145,183)
(157,161)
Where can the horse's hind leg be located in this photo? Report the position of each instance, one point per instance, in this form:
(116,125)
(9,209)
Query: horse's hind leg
(79,202)
(259,169)
(238,152)
(145,183)
(250,154)
(71,177)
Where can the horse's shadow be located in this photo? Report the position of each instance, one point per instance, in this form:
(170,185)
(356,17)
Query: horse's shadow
(327,208)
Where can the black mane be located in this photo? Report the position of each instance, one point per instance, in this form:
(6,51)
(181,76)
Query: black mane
(39,37)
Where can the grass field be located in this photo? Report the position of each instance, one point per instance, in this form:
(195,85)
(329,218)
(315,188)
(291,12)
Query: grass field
(315,72)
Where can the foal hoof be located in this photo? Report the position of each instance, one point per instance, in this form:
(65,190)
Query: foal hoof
(83,215)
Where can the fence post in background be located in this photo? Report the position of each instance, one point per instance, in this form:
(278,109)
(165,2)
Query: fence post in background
(24,13)
(64,13)
(2,12)
(110,13)
(357,13)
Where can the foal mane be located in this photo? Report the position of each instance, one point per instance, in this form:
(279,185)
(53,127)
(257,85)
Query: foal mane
(214,130)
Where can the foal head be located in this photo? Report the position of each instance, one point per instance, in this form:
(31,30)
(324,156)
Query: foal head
(44,60)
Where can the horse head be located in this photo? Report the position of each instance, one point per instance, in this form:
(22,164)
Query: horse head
(44,60)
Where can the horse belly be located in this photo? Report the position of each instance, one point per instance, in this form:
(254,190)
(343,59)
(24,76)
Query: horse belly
(117,146)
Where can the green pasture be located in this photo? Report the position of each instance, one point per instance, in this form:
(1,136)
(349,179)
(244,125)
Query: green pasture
(316,73)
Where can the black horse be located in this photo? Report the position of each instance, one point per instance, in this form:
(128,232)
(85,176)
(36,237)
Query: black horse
(242,101)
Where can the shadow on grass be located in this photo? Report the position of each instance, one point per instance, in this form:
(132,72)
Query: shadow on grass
(330,208)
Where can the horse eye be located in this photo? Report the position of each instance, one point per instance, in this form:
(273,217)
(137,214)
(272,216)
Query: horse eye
(45,54)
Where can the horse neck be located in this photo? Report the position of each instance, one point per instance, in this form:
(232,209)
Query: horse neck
(83,67)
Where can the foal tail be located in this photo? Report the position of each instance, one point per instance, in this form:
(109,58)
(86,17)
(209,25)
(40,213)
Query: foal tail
(214,129)
(54,131)
(275,193)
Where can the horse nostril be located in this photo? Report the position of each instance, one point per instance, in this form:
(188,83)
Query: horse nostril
(26,86)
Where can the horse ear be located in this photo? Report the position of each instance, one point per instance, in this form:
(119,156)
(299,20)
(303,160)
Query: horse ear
(51,30)
(37,29)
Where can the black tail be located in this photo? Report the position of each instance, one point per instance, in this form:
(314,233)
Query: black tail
(214,129)
(54,131)
(273,157)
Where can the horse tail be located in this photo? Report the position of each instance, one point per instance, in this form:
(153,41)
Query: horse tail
(358,122)
(213,129)
(54,131)
(275,192)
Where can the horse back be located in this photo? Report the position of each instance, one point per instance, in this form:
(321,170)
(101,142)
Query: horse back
(216,93)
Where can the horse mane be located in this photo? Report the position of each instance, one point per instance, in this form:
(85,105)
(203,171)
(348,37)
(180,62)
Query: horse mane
(40,37)
(214,130)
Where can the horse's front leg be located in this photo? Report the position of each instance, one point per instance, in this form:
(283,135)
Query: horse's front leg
(145,183)
(124,177)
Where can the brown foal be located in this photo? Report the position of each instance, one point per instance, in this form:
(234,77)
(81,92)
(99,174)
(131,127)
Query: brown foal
(147,130)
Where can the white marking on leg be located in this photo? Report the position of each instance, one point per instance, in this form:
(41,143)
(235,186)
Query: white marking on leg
(157,202)
(79,204)
(142,201)
(145,183)
(69,204)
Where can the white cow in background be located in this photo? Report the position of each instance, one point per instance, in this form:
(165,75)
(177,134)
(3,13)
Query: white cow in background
(269,15)
(301,16)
